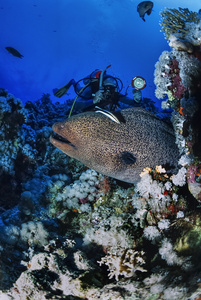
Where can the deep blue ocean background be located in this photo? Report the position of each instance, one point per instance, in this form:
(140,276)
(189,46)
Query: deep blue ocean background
(64,39)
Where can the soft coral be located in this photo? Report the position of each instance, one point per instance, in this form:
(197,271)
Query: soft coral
(176,87)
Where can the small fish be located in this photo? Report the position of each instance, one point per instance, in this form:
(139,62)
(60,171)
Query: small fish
(144,7)
(119,150)
(14,52)
(107,114)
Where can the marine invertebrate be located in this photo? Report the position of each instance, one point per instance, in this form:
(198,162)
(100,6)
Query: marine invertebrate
(193,35)
(169,254)
(24,144)
(77,197)
(180,178)
(180,44)
(188,243)
(44,112)
(183,29)
(177,76)
(194,180)
(161,79)
(189,70)
(26,204)
(174,20)
(167,78)
(124,263)
(12,118)
(151,233)
(34,233)
(176,87)
(160,194)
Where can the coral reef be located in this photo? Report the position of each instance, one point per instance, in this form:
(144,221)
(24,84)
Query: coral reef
(67,232)
(174,20)
(178,77)
(177,73)
(180,44)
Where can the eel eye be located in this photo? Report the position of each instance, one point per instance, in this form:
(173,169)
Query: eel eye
(128,158)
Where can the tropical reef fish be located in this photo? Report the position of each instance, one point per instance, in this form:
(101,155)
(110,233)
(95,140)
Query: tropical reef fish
(108,114)
(14,52)
(119,150)
(144,7)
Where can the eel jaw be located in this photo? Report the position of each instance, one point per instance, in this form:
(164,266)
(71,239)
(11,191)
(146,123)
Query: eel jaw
(61,142)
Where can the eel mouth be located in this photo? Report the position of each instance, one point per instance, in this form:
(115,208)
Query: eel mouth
(56,139)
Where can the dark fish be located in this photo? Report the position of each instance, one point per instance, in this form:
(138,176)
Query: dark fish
(119,150)
(144,7)
(14,52)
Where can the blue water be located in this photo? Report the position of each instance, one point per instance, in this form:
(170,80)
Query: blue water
(64,39)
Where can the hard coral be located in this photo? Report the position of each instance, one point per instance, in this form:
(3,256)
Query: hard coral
(174,20)
(124,263)
(180,44)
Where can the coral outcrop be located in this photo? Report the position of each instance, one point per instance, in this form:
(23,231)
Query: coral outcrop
(178,78)
(174,20)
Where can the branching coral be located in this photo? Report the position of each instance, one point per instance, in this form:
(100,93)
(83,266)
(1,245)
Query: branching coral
(124,263)
(174,20)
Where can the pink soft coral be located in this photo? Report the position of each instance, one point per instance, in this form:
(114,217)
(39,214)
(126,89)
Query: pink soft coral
(176,87)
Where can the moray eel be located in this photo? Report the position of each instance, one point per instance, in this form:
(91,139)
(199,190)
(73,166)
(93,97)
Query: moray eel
(121,150)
